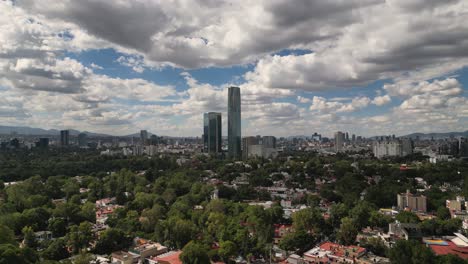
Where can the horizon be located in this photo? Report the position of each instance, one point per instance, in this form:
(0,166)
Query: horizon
(116,68)
(136,133)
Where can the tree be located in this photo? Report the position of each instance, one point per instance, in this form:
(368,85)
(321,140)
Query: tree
(374,245)
(227,250)
(57,250)
(338,212)
(7,236)
(112,240)
(361,214)
(58,227)
(29,237)
(449,259)
(298,241)
(88,212)
(347,232)
(411,252)
(443,213)
(407,217)
(194,253)
(308,220)
(12,254)
(80,236)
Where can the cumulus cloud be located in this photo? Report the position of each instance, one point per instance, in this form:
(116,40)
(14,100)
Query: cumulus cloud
(429,44)
(323,105)
(382,100)
(346,45)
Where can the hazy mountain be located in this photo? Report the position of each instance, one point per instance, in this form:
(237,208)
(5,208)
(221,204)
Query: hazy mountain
(33,131)
(438,135)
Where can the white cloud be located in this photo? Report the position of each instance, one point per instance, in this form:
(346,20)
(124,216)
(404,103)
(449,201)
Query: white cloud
(382,100)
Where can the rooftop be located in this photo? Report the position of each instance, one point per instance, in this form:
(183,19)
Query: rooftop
(171,257)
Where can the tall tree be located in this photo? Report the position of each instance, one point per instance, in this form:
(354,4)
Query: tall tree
(347,232)
(194,253)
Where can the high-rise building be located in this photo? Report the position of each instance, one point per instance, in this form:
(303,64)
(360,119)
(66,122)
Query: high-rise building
(64,137)
(42,143)
(407,146)
(153,140)
(82,140)
(339,141)
(317,137)
(234,123)
(387,148)
(347,137)
(353,138)
(463,147)
(269,141)
(247,142)
(143,137)
(212,137)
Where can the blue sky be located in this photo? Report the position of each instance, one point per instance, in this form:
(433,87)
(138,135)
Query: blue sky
(118,67)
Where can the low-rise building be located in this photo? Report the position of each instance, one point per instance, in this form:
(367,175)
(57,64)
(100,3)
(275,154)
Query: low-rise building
(455,245)
(412,202)
(328,252)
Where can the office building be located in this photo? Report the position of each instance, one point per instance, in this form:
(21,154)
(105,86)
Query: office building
(392,147)
(42,143)
(143,137)
(407,146)
(387,148)
(317,137)
(246,143)
(269,141)
(353,138)
(413,202)
(153,140)
(463,147)
(212,137)
(339,141)
(82,140)
(234,123)
(64,137)
(261,151)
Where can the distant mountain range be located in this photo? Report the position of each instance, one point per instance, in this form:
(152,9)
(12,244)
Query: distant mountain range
(33,131)
(438,135)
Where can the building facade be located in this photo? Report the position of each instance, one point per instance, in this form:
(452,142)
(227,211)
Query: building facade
(212,137)
(417,203)
(392,147)
(269,142)
(143,137)
(64,137)
(339,141)
(82,140)
(246,143)
(234,123)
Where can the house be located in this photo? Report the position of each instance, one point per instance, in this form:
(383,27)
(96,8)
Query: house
(171,257)
(332,252)
(280,231)
(43,236)
(147,248)
(456,245)
(404,231)
(124,257)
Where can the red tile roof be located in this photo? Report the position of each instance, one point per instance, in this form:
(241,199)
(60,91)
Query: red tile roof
(451,248)
(169,258)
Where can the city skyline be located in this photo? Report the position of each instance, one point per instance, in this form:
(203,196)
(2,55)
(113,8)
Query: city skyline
(336,67)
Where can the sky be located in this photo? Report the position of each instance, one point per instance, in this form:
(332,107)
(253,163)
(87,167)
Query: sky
(369,67)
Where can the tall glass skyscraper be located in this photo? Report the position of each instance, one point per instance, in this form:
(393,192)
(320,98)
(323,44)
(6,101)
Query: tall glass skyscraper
(64,137)
(212,132)
(234,123)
